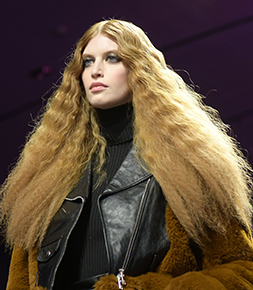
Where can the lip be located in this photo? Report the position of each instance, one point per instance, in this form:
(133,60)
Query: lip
(97,86)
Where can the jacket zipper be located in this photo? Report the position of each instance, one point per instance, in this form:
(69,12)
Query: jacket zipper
(121,274)
(70,231)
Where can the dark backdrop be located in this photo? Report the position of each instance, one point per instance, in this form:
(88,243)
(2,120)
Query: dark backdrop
(211,39)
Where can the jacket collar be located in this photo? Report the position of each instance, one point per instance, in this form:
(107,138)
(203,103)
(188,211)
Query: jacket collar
(83,187)
(129,174)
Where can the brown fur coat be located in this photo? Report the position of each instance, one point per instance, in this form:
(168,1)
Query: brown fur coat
(227,264)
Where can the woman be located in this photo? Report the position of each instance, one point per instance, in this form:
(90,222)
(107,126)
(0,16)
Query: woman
(128,173)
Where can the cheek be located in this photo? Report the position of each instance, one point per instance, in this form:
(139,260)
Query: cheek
(122,85)
(121,77)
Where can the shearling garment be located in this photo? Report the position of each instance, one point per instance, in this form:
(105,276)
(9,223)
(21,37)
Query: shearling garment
(227,264)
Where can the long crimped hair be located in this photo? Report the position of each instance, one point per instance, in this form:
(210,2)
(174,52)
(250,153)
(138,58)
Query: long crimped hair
(184,144)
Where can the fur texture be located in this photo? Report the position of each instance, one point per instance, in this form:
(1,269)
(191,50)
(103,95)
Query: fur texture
(23,270)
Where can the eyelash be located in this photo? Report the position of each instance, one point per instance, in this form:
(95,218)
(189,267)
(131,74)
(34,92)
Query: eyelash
(111,58)
(85,62)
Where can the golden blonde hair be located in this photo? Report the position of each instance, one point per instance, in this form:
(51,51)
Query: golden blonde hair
(183,143)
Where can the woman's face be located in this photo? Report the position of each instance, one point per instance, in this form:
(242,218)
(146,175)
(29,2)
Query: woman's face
(104,76)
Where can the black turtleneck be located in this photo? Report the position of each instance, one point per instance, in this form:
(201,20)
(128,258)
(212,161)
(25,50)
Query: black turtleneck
(86,256)
(116,127)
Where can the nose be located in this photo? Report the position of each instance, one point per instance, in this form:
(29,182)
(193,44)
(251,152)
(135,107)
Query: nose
(97,70)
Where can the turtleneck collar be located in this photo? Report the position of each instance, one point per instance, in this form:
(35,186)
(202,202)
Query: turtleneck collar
(116,124)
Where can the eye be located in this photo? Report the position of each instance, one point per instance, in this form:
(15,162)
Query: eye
(87,62)
(113,58)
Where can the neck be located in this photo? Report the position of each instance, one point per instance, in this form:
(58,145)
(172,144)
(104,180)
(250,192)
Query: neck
(116,124)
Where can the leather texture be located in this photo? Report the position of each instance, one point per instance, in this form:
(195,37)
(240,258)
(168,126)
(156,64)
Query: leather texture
(132,211)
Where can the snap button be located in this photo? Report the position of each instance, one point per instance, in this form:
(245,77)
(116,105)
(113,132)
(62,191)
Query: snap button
(48,254)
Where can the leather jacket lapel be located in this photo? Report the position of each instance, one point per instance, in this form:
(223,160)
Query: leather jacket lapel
(129,173)
(83,187)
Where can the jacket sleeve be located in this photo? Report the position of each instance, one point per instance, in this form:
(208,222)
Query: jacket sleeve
(227,264)
(22,270)
(236,275)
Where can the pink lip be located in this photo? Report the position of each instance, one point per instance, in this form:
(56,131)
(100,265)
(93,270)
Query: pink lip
(97,86)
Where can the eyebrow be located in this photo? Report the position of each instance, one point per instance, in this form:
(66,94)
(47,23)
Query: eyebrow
(105,53)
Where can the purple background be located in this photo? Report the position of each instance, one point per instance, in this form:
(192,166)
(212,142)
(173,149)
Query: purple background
(211,39)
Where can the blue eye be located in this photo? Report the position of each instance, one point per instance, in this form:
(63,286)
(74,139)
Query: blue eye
(87,62)
(113,58)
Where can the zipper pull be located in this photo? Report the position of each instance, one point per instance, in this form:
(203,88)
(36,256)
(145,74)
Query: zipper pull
(121,279)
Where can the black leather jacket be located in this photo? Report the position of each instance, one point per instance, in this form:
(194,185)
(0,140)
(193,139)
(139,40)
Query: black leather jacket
(132,211)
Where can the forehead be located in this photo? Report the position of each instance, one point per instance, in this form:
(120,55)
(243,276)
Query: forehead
(100,43)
